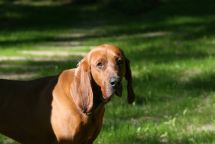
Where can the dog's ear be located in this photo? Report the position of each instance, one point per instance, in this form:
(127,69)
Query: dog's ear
(128,77)
(82,89)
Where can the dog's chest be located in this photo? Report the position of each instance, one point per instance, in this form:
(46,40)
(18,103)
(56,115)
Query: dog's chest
(90,126)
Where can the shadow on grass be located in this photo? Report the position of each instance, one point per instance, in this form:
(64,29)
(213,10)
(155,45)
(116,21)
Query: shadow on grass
(180,17)
(167,54)
(34,69)
(204,83)
(164,85)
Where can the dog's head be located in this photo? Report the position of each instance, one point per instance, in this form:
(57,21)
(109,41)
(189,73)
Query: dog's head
(106,65)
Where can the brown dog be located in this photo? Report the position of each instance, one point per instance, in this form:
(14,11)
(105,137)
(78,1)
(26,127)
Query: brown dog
(68,108)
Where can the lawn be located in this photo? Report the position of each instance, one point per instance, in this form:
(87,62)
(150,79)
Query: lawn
(171,49)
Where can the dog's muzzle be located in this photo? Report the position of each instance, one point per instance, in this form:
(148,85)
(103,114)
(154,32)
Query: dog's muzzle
(115,82)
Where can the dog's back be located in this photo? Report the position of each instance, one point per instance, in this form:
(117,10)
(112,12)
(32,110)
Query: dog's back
(25,107)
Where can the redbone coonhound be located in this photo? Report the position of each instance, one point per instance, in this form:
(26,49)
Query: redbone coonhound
(68,108)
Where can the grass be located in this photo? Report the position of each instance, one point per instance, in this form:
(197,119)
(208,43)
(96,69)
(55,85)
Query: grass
(171,49)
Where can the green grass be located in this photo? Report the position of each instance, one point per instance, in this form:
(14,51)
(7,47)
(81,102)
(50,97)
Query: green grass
(171,49)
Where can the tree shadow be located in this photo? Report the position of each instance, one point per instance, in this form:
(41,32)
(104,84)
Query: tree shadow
(31,69)
(166,54)
(19,17)
(166,86)
(204,83)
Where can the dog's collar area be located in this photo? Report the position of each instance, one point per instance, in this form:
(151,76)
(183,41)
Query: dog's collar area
(94,110)
(88,113)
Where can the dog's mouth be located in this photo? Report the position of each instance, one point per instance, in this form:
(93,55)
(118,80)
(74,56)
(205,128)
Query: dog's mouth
(110,91)
(118,90)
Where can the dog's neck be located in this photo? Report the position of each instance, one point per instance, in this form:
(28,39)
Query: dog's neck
(97,98)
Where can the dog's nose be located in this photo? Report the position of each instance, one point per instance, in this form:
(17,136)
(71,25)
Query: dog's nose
(114,81)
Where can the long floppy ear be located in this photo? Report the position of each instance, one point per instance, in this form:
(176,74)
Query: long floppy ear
(128,77)
(82,89)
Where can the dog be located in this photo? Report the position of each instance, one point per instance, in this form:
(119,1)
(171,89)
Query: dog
(67,108)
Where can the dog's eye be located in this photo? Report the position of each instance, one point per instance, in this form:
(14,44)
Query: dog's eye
(119,62)
(100,65)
